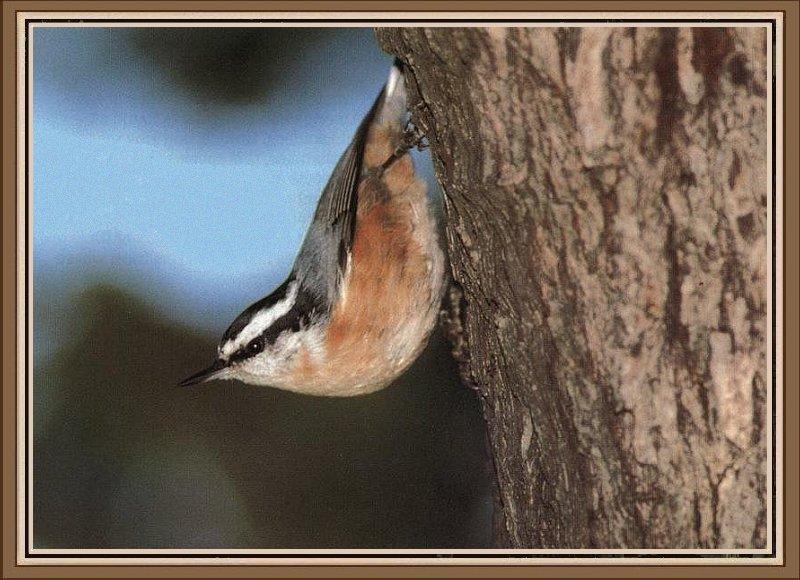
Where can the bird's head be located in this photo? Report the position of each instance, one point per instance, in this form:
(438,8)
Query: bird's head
(261,344)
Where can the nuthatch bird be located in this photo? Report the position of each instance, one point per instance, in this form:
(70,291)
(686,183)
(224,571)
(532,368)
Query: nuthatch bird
(364,292)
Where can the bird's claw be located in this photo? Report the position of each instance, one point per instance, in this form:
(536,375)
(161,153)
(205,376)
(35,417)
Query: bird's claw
(414,137)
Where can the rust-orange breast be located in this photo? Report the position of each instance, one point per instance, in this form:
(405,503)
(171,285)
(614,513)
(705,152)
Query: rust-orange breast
(390,292)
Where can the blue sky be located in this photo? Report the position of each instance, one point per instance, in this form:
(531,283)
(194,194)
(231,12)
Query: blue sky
(126,167)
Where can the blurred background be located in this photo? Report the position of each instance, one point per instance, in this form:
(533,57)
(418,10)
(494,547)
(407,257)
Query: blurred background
(174,174)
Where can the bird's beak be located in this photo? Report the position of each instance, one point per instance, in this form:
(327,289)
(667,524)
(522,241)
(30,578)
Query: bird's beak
(206,374)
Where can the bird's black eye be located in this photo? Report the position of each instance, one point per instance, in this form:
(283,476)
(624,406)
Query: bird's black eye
(255,346)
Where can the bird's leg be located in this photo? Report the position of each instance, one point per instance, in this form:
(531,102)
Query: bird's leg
(412,137)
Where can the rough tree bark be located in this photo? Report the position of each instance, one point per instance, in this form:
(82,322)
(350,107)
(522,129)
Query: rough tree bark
(606,217)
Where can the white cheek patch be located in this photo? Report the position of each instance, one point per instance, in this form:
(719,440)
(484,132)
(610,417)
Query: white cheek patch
(273,367)
(261,321)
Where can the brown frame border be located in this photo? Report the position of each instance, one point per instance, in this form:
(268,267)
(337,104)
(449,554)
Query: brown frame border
(791,10)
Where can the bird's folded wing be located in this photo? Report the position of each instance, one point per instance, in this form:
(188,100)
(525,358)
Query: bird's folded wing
(325,251)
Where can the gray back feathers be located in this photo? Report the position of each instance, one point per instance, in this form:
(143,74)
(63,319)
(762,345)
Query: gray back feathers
(323,257)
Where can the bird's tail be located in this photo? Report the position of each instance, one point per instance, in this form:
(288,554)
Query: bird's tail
(394,108)
(388,121)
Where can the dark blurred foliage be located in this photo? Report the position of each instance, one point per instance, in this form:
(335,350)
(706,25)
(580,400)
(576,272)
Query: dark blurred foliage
(127,459)
(228,66)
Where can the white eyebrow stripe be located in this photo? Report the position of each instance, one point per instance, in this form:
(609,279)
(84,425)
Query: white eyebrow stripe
(261,321)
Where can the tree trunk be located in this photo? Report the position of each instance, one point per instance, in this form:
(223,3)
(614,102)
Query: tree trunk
(606,217)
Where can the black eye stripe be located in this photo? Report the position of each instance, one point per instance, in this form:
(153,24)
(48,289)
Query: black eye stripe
(245,317)
(304,309)
(292,321)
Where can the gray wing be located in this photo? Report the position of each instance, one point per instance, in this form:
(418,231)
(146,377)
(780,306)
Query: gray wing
(325,250)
